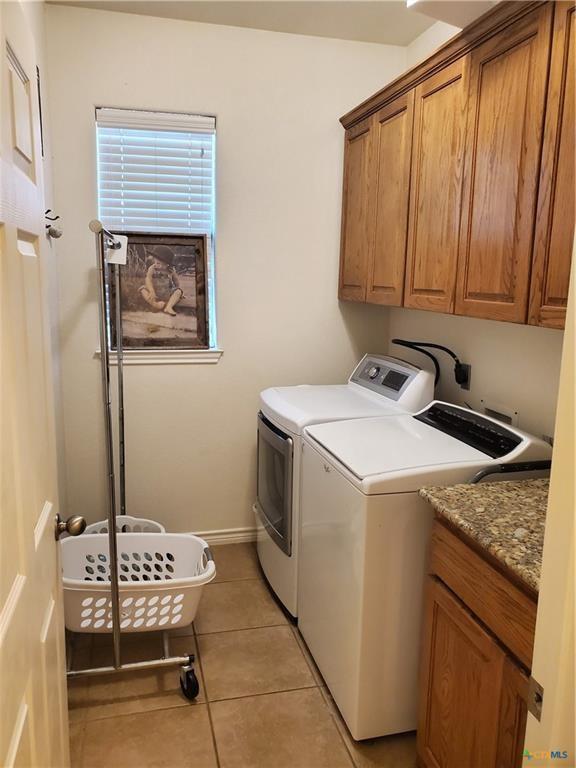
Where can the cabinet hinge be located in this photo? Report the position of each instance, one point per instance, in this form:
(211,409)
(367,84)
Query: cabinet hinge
(535,698)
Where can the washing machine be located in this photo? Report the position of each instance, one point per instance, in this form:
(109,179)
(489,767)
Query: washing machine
(378,386)
(364,541)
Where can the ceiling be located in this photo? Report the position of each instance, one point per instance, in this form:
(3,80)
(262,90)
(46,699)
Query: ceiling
(375,21)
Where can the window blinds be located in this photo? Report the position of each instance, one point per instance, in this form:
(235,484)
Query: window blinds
(155,171)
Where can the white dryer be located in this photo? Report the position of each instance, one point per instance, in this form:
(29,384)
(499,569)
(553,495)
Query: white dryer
(378,386)
(364,539)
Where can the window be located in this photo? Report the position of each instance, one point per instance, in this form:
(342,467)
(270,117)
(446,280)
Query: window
(156,175)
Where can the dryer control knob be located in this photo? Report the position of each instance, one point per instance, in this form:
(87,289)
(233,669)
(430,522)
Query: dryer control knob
(373,372)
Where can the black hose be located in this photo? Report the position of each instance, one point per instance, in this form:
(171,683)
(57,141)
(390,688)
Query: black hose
(413,345)
(461,372)
(427,344)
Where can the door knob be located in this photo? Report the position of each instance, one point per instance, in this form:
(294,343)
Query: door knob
(74,526)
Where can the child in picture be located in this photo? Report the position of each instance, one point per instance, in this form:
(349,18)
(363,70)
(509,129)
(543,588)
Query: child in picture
(161,289)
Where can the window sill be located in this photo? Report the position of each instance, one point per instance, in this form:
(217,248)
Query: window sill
(167,357)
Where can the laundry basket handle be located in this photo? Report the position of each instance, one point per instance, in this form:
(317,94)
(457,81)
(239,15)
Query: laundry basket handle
(208,555)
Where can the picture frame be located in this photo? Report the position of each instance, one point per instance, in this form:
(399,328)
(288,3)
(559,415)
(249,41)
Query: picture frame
(162,293)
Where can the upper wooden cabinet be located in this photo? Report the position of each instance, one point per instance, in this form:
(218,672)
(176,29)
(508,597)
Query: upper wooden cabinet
(508,76)
(375,205)
(436,189)
(556,202)
(357,214)
(459,176)
(392,142)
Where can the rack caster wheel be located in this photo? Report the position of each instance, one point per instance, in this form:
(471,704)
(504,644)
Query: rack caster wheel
(189,682)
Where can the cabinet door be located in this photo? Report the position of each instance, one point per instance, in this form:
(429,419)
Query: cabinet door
(461,679)
(392,146)
(556,203)
(357,212)
(436,187)
(513,713)
(508,75)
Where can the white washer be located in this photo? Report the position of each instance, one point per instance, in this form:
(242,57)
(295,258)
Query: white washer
(364,538)
(378,386)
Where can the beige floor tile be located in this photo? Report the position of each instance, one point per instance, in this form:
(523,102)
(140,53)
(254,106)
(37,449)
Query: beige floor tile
(292,729)
(78,687)
(132,692)
(398,751)
(77,699)
(76,744)
(252,661)
(235,562)
(237,605)
(171,738)
(105,639)
(182,631)
(79,640)
(318,679)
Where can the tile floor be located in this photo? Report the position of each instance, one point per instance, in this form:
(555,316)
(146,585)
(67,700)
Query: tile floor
(262,703)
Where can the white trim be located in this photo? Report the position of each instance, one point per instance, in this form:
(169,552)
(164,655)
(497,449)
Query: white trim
(10,604)
(17,733)
(167,356)
(44,519)
(228,535)
(155,121)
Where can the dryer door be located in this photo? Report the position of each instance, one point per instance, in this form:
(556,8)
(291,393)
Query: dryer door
(275,458)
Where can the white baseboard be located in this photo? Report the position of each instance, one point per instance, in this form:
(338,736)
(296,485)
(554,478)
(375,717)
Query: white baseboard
(228,535)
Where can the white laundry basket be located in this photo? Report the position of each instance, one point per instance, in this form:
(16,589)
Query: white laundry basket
(160,580)
(127,524)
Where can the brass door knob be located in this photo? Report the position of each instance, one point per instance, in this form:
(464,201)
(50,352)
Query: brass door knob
(74,526)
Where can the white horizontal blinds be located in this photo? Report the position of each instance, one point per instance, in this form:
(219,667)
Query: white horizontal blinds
(155,171)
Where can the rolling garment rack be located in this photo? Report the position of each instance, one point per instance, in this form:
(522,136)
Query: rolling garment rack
(179,544)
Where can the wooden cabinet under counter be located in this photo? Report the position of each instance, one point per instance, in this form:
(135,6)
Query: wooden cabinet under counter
(476,655)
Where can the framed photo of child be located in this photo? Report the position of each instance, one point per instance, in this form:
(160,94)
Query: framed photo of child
(163,293)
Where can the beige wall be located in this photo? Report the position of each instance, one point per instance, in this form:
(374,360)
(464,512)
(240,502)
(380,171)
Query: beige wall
(513,366)
(426,43)
(277,98)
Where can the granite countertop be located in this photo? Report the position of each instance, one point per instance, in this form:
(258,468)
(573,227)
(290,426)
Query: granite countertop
(505,518)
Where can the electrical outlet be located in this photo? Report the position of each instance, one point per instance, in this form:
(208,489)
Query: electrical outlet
(467,371)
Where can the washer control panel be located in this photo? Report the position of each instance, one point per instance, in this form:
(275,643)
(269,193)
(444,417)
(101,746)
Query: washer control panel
(388,376)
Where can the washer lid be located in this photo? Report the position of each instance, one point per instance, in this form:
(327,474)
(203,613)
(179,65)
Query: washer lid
(384,446)
(293,408)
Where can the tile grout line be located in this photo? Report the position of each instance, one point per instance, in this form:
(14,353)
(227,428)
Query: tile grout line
(295,633)
(335,717)
(240,629)
(208,709)
(266,693)
(229,581)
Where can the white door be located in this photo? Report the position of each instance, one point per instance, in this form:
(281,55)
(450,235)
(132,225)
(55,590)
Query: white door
(33,723)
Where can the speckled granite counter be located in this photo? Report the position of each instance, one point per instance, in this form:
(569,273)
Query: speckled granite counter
(505,518)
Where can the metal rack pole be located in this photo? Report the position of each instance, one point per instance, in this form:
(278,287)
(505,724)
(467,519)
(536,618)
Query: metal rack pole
(120,381)
(105,366)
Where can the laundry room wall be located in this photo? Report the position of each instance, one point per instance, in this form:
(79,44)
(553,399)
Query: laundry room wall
(515,368)
(427,42)
(190,435)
